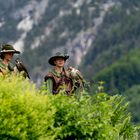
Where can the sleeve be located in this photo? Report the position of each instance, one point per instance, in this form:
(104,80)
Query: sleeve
(49,85)
(1,73)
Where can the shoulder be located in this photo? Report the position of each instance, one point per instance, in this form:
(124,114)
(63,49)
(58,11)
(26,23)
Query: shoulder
(48,75)
(1,64)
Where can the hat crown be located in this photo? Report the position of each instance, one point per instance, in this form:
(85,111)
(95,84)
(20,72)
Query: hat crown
(58,55)
(61,55)
(7,47)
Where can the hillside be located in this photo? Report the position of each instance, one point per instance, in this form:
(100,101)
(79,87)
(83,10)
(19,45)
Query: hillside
(117,36)
(40,28)
(101,36)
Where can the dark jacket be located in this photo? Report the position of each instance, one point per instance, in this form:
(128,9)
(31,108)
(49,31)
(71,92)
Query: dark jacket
(59,81)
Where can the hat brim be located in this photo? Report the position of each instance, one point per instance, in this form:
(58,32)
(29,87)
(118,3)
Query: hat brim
(11,51)
(52,59)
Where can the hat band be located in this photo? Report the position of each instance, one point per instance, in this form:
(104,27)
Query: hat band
(8,51)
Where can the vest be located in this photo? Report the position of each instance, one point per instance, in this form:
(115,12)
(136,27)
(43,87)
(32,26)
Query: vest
(61,82)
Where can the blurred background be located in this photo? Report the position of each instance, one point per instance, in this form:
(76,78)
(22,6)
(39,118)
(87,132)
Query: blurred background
(102,38)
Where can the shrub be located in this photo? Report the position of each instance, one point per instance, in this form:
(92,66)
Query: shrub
(24,113)
(98,117)
(28,114)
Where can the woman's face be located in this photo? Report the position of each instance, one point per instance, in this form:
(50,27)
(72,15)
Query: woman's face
(8,56)
(59,62)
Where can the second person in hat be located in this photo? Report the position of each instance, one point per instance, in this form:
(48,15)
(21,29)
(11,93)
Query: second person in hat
(6,55)
(58,78)
(6,66)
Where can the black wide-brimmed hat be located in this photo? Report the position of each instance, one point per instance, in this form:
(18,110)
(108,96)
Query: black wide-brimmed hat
(8,48)
(57,55)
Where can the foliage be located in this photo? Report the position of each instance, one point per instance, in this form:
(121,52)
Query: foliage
(117,36)
(23,111)
(100,117)
(123,74)
(133,96)
(26,113)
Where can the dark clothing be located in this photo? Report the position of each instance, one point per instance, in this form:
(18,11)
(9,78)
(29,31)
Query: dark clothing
(58,81)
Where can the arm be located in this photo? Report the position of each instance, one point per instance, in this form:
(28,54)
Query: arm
(49,85)
(1,74)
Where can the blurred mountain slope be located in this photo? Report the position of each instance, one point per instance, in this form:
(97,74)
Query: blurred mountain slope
(117,36)
(40,28)
(97,34)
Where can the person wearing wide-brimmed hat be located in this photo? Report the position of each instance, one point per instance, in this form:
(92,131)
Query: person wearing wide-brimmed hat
(58,78)
(6,55)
